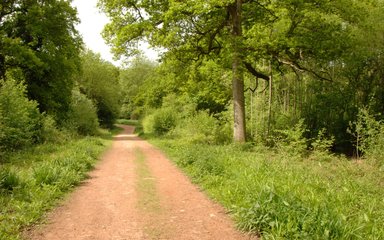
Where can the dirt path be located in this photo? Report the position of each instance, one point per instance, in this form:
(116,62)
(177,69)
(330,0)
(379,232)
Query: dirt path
(136,193)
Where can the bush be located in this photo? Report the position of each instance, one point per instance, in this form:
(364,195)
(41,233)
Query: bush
(291,141)
(203,128)
(19,117)
(321,146)
(369,136)
(49,131)
(160,122)
(83,114)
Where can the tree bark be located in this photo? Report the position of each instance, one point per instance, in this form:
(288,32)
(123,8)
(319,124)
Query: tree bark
(2,67)
(238,76)
(270,82)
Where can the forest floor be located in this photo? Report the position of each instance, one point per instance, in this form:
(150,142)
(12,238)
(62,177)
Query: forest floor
(135,192)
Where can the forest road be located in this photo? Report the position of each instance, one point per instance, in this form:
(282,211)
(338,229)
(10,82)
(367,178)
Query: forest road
(135,192)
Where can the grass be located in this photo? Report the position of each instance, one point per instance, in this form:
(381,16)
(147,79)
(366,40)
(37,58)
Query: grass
(34,180)
(148,199)
(279,196)
(145,185)
(128,122)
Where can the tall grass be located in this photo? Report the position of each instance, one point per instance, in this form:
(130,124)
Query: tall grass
(282,197)
(32,181)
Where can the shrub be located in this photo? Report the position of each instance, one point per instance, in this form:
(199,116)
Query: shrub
(19,117)
(148,123)
(369,136)
(321,146)
(49,131)
(291,141)
(160,122)
(83,115)
(202,128)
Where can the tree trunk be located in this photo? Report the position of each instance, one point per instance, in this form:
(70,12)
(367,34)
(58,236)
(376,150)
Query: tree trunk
(238,78)
(2,66)
(270,82)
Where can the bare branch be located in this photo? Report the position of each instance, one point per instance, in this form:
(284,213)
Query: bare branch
(254,72)
(295,66)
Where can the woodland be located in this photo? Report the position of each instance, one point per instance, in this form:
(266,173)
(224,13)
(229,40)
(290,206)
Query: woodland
(274,107)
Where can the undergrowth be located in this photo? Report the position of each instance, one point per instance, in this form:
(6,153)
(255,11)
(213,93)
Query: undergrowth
(33,180)
(277,196)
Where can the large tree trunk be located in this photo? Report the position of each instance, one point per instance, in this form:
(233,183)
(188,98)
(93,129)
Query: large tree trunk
(238,78)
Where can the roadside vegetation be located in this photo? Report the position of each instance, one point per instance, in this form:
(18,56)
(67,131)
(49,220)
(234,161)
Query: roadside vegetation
(41,159)
(275,195)
(290,187)
(34,180)
(56,101)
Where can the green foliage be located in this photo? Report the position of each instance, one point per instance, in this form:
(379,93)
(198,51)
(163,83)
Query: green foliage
(33,180)
(203,128)
(321,146)
(208,86)
(83,116)
(63,173)
(39,39)
(292,45)
(160,121)
(179,118)
(99,82)
(127,122)
(9,179)
(337,42)
(283,197)
(49,131)
(19,117)
(138,83)
(369,136)
(292,141)
(46,174)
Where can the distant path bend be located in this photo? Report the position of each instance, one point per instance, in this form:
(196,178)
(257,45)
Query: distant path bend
(135,192)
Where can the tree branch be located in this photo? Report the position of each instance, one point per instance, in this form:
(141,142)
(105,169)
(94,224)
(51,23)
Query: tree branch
(294,65)
(254,72)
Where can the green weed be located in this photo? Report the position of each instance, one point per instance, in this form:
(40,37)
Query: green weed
(127,122)
(145,185)
(9,180)
(280,196)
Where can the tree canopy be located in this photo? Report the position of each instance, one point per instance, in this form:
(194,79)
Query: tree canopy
(98,80)
(296,36)
(39,40)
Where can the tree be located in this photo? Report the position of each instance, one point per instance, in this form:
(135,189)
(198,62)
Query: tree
(135,81)
(302,36)
(190,30)
(39,38)
(19,117)
(98,80)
